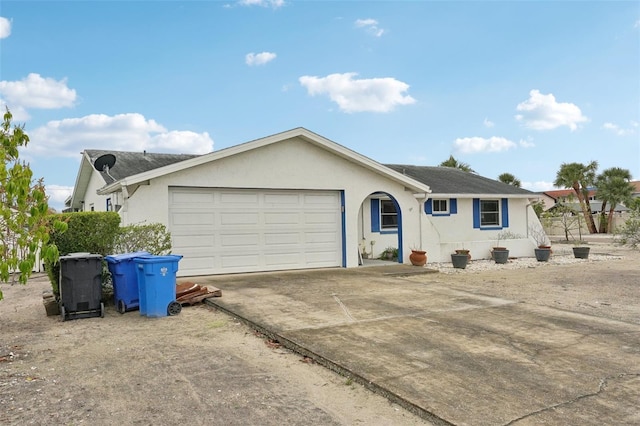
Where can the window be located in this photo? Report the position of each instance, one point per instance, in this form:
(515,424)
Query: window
(109,205)
(388,215)
(489,212)
(440,207)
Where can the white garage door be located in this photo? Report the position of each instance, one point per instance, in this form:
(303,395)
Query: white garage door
(222,231)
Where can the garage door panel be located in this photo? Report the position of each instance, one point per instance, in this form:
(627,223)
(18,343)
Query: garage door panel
(281,199)
(229,197)
(231,230)
(240,240)
(183,197)
(239,218)
(282,218)
(284,238)
(186,241)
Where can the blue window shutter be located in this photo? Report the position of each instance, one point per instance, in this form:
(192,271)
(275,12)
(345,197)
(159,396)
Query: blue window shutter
(505,212)
(375,215)
(453,206)
(476,213)
(428,206)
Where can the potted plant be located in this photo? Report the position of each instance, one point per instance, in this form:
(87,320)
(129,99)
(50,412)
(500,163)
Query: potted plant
(465,252)
(460,260)
(543,249)
(500,253)
(390,253)
(581,250)
(418,257)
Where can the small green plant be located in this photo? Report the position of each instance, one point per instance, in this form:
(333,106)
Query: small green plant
(629,233)
(348,382)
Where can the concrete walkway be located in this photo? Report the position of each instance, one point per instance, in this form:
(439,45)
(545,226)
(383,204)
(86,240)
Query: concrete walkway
(449,356)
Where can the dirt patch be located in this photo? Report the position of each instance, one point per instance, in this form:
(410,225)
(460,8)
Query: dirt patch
(201,367)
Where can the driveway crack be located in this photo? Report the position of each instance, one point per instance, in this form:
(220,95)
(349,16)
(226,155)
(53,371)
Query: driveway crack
(601,388)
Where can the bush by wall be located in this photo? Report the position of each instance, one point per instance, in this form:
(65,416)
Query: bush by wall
(90,232)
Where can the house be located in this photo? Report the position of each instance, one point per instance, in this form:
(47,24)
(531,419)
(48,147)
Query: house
(559,196)
(297,200)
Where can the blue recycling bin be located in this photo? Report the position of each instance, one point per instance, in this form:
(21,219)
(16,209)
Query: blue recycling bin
(157,285)
(125,280)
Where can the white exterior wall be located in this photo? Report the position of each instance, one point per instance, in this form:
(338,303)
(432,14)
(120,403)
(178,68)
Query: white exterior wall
(291,164)
(91,197)
(445,234)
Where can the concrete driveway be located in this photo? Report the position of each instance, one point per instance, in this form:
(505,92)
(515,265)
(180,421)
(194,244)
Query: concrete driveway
(450,356)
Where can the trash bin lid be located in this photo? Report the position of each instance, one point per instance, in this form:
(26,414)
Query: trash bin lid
(117,258)
(158,259)
(80,256)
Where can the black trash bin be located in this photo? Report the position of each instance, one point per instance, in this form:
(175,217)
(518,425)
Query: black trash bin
(81,286)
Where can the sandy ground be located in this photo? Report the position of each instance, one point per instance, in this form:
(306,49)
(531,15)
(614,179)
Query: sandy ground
(204,367)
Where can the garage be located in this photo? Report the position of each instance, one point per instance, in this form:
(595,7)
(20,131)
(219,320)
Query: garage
(227,230)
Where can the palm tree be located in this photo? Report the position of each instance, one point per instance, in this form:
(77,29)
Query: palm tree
(613,187)
(509,179)
(579,177)
(452,162)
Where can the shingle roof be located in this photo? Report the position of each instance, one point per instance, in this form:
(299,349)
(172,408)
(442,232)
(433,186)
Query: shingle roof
(449,180)
(131,163)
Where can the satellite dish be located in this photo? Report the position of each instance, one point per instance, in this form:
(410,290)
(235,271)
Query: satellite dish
(104,162)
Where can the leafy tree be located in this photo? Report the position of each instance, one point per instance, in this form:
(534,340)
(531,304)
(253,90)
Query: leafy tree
(579,177)
(24,210)
(613,187)
(510,179)
(452,162)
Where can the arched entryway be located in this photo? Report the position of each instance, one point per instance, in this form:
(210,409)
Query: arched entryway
(379,229)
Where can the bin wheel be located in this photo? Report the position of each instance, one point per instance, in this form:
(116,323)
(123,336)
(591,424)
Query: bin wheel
(121,307)
(101,310)
(63,314)
(174,308)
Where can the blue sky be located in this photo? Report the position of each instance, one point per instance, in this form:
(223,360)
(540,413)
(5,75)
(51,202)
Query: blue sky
(518,87)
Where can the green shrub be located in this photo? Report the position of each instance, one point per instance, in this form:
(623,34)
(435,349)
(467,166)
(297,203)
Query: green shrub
(152,238)
(90,232)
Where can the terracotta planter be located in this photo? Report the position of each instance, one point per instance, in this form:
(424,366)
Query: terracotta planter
(465,252)
(418,257)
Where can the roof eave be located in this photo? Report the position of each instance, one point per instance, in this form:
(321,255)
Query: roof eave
(309,136)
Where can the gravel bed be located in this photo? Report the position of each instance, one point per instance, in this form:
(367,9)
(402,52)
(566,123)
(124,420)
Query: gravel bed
(560,257)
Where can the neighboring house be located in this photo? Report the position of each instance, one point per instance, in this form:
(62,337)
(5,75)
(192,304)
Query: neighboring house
(298,200)
(636,188)
(553,197)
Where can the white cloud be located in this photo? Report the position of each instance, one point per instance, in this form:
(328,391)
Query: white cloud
(620,131)
(488,123)
(370,25)
(637,24)
(37,92)
(264,3)
(542,112)
(58,194)
(259,58)
(526,143)
(5,27)
(477,144)
(539,186)
(359,95)
(124,132)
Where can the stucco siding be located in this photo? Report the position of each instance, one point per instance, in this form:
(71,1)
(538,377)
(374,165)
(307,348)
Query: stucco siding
(291,164)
